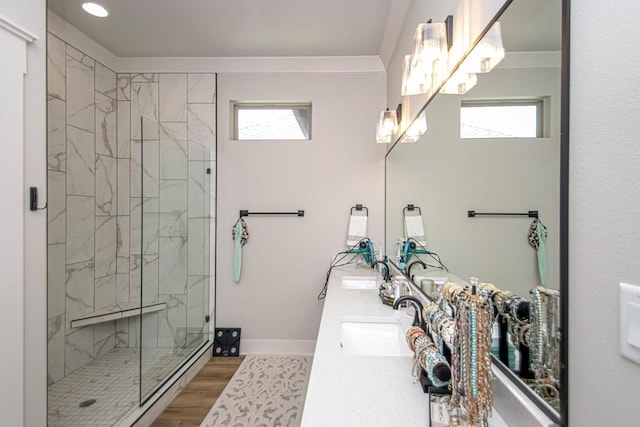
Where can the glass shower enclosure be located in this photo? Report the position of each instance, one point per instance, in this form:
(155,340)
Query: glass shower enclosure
(129,280)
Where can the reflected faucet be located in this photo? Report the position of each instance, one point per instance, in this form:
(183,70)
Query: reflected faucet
(386,275)
(417,305)
(424,266)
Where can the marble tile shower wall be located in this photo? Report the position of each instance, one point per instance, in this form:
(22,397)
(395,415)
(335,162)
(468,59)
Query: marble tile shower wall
(95,251)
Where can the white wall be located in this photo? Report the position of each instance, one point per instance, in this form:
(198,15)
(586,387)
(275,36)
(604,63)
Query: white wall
(604,205)
(30,406)
(286,258)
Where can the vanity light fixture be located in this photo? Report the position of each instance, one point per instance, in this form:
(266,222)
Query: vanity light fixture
(95,9)
(387,126)
(459,83)
(414,82)
(416,130)
(487,54)
(429,45)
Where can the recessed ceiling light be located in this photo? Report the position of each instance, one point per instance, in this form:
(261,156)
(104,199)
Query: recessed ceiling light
(95,9)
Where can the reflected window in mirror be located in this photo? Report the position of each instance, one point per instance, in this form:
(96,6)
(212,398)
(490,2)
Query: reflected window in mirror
(502,118)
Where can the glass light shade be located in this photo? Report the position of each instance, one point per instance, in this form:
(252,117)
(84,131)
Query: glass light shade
(487,54)
(459,83)
(429,45)
(387,126)
(413,82)
(416,130)
(95,9)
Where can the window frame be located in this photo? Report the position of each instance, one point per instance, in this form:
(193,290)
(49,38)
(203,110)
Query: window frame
(542,113)
(236,106)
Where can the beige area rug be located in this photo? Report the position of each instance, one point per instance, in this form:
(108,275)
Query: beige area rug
(267,390)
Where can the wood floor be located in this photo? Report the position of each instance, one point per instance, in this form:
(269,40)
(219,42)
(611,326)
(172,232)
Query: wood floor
(194,402)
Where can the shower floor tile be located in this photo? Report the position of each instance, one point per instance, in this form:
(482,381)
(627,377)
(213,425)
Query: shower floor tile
(113,380)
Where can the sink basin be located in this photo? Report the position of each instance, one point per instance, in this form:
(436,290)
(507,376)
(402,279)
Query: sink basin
(373,336)
(359,282)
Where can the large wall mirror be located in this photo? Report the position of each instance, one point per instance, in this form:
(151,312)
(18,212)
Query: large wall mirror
(499,151)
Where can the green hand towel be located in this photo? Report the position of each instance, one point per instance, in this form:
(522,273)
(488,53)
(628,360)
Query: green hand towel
(240,237)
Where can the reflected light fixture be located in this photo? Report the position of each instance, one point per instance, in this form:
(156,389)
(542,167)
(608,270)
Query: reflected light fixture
(416,130)
(459,83)
(488,52)
(387,126)
(430,45)
(413,82)
(95,9)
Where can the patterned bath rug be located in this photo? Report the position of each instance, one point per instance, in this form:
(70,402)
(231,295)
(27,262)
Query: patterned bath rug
(267,390)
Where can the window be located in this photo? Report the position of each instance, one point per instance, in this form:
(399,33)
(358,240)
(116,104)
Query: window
(502,119)
(271,121)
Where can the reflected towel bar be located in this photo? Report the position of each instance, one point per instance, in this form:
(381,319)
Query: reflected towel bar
(244,212)
(530,214)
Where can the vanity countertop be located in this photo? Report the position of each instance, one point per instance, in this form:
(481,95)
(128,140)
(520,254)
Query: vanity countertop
(362,390)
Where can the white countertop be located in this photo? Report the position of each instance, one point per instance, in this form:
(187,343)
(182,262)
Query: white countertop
(353,390)
(359,390)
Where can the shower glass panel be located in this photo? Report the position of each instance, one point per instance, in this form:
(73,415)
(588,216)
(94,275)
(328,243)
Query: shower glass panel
(171,223)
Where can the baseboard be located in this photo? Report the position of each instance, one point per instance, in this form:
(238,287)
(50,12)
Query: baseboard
(304,347)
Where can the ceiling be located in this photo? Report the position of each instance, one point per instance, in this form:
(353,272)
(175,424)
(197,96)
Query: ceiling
(235,28)
(280,28)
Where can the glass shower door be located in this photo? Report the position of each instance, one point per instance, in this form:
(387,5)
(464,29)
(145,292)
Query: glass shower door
(174,259)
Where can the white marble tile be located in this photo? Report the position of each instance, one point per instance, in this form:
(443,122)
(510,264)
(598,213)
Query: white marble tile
(134,332)
(200,185)
(144,103)
(202,88)
(202,125)
(80,92)
(56,272)
(105,81)
(81,57)
(80,291)
(173,265)
(122,282)
(144,226)
(145,164)
(123,244)
(173,160)
(149,332)
(173,131)
(55,349)
(198,247)
(198,152)
(78,349)
(197,300)
(81,230)
(173,224)
(122,333)
(104,337)
(106,125)
(106,185)
(56,207)
(172,323)
(144,77)
(148,264)
(56,134)
(124,87)
(124,186)
(80,162)
(173,195)
(105,291)
(173,98)
(56,67)
(105,245)
(124,129)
